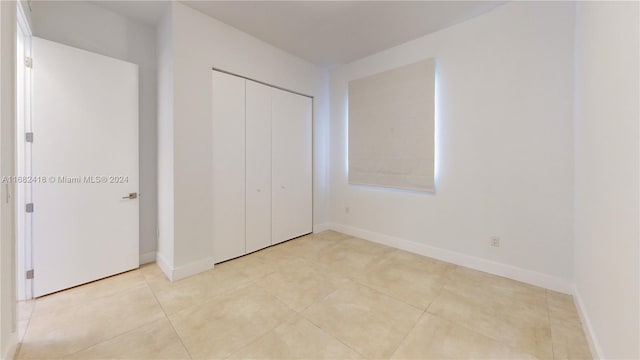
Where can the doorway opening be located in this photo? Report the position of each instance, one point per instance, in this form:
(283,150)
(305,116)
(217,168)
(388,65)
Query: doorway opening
(23,188)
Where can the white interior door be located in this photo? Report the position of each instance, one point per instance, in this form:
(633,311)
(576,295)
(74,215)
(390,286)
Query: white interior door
(258,162)
(228,112)
(85,124)
(291,165)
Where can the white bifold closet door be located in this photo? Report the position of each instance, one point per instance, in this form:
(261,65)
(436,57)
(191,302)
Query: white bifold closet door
(258,165)
(228,101)
(291,206)
(261,166)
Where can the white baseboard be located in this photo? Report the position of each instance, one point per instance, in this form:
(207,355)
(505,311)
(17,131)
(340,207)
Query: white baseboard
(12,347)
(181,272)
(321,227)
(193,268)
(594,345)
(147,257)
(165,266)
(489,266)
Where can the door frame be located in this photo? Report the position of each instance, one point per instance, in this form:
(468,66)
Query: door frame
(24,263)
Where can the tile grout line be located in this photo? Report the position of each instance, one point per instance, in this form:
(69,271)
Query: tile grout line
(332,336)
(465,326)
(103,340)
(26,328)
(261,336)
(168,318)
(127,288)
(321,271)
(422,315)
(111,338)
(269,330)
(359,282)
(546,300)
(503,342)
(408,332)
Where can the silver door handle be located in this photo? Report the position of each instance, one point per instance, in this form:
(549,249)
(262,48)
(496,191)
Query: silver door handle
(131,196)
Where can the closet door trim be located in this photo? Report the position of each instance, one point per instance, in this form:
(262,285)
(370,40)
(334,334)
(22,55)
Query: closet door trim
(261,82)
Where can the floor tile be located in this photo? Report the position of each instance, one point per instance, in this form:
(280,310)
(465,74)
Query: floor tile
(301,284)
(569,341)
(25,309)
(154,276)
(296,339)
(323,295)
(157,340)
(435,338)
(80,294)
(278,250)
(411,278)
(328,235)
(310,246)
(199,288)
(254,266)
(561,306)
(222,326)
(366,320)
(65,331)
(349,256)
(500,308)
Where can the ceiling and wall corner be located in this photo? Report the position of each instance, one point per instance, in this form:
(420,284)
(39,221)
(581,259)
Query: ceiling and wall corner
(315,30)
(338,32)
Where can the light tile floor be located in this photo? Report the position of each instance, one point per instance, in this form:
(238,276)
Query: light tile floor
(325,295)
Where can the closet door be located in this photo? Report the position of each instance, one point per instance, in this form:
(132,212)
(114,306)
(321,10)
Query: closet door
(258,184)
(291,165)
(228,166)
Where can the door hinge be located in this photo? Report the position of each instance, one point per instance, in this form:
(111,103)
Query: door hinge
(29,207)
(28,137)
(28,62)
(29,274)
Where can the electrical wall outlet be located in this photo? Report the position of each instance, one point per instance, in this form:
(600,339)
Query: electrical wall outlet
(495,241)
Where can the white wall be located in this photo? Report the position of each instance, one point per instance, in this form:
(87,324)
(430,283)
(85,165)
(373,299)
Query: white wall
(8,338)
(164,48)
(90,27)
(607,176)
(504,159)
(200,43)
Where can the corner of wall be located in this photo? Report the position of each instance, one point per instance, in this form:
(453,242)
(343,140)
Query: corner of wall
(165,231)
(184,271)
(11,347)
(590,334)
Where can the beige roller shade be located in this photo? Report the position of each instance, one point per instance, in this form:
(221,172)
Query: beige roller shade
(391,128)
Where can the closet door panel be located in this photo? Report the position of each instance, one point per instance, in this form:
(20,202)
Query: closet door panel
(228,114)
(258,183)
(291,165)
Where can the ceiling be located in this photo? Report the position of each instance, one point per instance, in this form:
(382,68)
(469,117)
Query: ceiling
(324,32)
(147,11)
